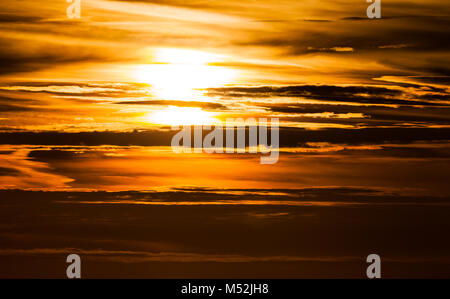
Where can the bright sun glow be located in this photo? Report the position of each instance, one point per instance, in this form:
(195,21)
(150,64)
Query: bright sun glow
(177,74)
(180,56)
(177,116)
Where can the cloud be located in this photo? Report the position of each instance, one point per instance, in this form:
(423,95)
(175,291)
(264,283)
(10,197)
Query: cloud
(360,94)
(308,163)
(16,18)
(333,49)
(169,12)
(180,257)
(55,224)
(13,108)
(19,172)
(18,56)
(289,137)
(207,105)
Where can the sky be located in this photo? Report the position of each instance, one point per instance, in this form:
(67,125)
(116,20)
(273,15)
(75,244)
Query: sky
(87,105)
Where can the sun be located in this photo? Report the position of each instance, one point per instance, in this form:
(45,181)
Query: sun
(183,56)
(181,74)
(178,74)
(177,116)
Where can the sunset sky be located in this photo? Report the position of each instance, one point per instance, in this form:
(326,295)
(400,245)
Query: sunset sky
(87,105)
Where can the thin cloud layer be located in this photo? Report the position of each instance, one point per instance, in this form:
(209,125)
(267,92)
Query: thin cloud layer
(135,240)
